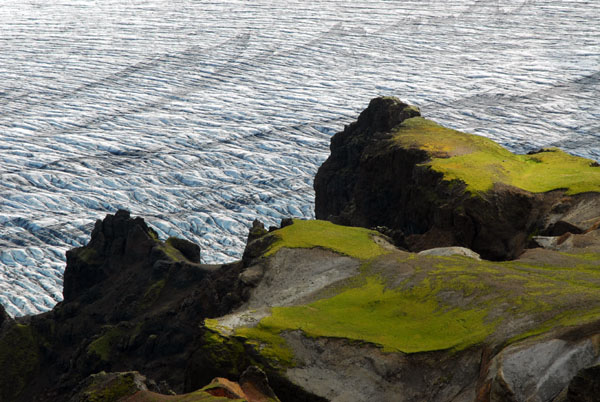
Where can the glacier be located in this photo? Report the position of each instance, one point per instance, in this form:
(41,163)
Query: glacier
(201,117)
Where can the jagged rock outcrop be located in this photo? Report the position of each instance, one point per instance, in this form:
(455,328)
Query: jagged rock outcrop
(131,302)
(435,187)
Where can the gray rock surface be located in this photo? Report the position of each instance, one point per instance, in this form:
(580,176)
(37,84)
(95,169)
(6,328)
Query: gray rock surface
(539,371)
(448,251)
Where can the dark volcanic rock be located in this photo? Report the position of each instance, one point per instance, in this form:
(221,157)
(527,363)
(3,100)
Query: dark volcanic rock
(257,243)
(131,302)
(337,179)
(189,250)
(371,180)
(4,317)
(116,242)
(585,386)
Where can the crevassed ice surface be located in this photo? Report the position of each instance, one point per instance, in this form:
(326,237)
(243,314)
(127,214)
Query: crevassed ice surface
(201,116)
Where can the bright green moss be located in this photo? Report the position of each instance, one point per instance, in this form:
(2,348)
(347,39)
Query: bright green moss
(269,343)
(19,357)
(446,303)
(479,162)
(351,241)
(409,321)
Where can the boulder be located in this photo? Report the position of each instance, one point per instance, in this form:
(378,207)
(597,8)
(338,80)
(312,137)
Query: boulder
(449,251)
(190,250)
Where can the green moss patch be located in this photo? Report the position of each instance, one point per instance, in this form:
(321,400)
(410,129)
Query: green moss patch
(19,358)
(222,353)
(441,303)
(399,320)
(266,339)
(351,241)
(479,162)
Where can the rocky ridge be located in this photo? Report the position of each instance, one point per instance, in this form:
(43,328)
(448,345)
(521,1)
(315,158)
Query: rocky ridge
(316,311)
(430,186)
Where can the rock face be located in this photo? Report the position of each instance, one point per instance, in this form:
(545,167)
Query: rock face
(131,301)
(389,325)
(380,173)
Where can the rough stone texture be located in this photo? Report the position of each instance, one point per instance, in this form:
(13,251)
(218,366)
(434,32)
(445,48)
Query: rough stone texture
(292,276)
(448,251)
(567,242)
(539,371)
(130,303)
(342,372)
(369,180)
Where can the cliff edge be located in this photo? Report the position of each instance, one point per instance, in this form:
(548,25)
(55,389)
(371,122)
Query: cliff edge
(431,186)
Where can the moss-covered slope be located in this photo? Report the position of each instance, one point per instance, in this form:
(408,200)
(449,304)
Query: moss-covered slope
(409,304)
(444,303)
(480,162)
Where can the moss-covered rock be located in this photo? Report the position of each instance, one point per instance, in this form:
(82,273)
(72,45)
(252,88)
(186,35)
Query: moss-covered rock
(109,387)
(406,306)
(436,187)
(481,163)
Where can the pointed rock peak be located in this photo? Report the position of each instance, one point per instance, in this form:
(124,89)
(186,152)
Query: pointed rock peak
(115,227)
(4,317)
(117,241)
(386,112)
